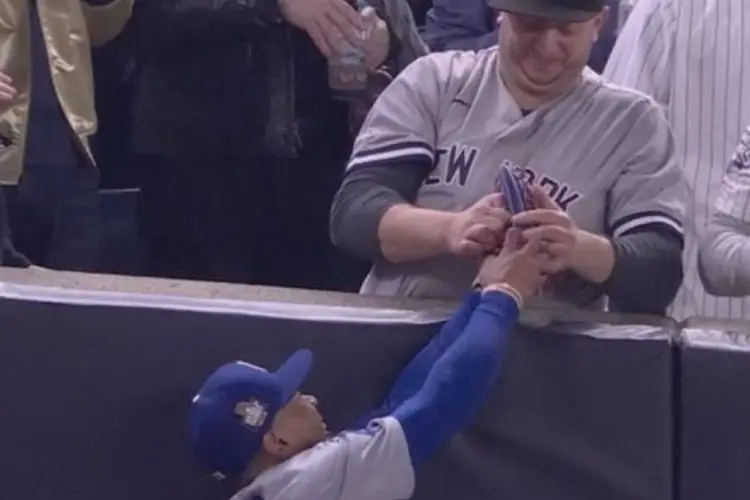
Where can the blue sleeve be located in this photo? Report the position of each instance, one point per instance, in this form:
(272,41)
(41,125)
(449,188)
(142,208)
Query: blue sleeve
(459,25)
(460,380)
(413,376)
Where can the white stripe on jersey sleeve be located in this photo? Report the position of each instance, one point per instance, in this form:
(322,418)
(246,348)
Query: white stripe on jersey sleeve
(395,153)
(641,220)
(402,124)
(652,189)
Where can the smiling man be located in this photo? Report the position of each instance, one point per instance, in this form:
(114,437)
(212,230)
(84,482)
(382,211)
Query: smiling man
(417,196)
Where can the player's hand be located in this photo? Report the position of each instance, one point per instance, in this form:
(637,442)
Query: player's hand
(378,41)
(522,266)
(554,228)
(479,229)
(326,21)
(7,90)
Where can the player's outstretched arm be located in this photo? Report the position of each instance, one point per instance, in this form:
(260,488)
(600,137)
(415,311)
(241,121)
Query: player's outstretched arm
(462,378)
(413,376)
(724,258)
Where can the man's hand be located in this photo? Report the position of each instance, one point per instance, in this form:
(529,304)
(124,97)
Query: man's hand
(7,90)
(552,226)
(326,21)
(479,229)
(377,42)
(522,267)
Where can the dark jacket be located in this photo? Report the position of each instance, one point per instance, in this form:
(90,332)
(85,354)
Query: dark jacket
(230,77)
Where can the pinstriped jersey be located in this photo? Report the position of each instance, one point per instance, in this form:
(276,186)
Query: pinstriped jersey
(693,57)
(604,153)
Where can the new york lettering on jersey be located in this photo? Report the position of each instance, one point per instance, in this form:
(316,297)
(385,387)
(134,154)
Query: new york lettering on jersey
(576,147)
(460,159)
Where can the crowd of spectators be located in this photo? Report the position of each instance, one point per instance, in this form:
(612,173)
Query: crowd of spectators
(220,143)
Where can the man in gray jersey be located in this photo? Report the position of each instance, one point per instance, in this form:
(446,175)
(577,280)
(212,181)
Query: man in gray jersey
(724,256)
(416,198)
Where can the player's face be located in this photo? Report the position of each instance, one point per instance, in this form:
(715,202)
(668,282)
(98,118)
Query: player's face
(298,425)
(545,56)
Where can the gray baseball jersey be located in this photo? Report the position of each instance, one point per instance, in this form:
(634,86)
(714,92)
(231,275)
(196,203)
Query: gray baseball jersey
(692,56)
(370,464)
(725,246)
(604,153)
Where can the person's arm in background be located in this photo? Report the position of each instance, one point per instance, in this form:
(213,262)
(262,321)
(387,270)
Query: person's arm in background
(642,56)
(460,25)
(405,46)
(105,19)
(724,255)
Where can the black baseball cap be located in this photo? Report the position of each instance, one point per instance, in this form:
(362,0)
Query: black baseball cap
(559,10)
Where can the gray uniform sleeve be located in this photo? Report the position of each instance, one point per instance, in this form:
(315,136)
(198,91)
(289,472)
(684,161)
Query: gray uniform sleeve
(651,191)
(368,464)
(393,154)
(724,258)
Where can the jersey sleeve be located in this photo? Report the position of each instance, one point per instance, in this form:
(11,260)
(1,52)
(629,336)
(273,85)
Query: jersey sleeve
(401,126)
(725,245)
(642,56)
(651,192)
(378,464)
(372,463)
